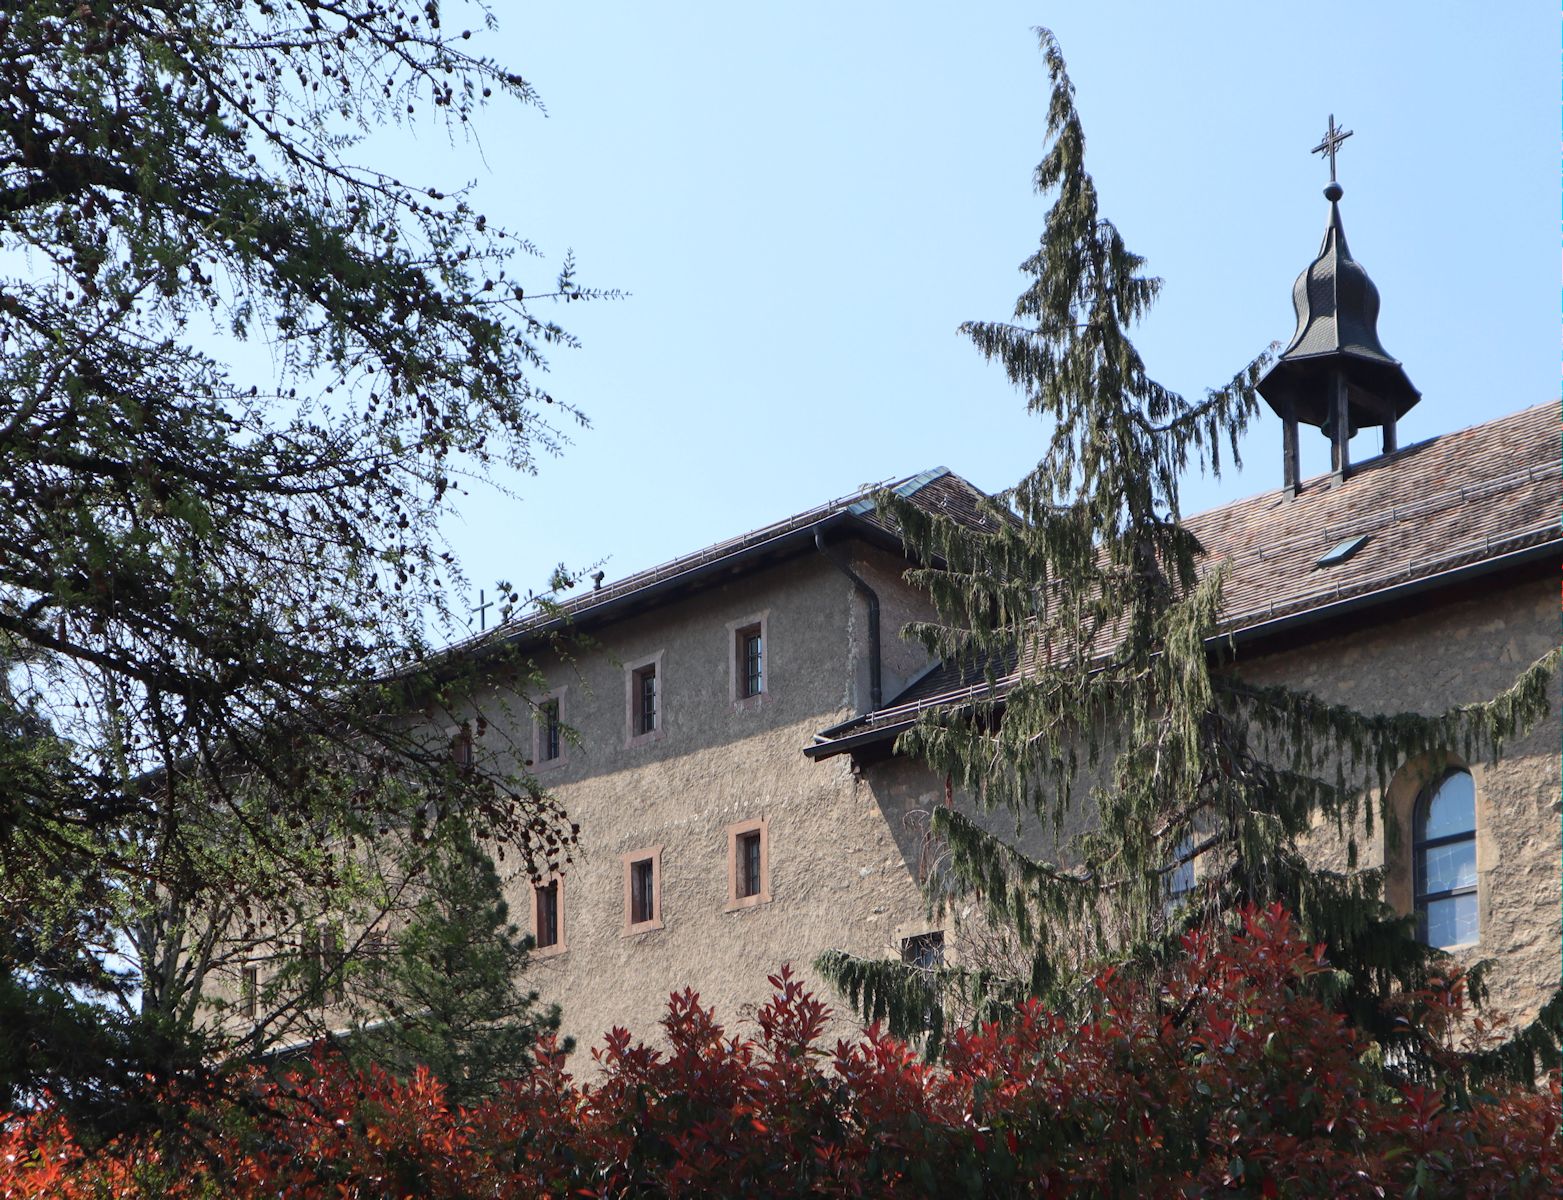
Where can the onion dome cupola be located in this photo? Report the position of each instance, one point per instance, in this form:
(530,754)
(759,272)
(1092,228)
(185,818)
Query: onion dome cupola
(1335,374)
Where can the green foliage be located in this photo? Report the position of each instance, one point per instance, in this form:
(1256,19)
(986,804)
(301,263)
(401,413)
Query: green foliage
(902,997)
(445,995)
(241,372)
(1121,702)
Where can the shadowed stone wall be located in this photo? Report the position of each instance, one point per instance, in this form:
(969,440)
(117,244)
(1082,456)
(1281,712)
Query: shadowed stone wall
(1429,660)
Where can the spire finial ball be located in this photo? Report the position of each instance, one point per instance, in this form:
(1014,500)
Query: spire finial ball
(1333,191)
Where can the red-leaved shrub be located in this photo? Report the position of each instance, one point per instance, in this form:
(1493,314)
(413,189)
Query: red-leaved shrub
(1229,1077)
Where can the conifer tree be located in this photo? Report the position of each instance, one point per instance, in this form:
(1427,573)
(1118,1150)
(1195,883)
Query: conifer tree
(447,992)
(1126,705)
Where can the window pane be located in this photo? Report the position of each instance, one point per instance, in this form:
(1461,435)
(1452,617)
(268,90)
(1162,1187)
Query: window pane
(1180,880)
(1452,809)
(1445,868)
(924,950)
(550,716)
(642,901)
(749,865)
(1450,922)
(548,915)
(752,663)
(647,714)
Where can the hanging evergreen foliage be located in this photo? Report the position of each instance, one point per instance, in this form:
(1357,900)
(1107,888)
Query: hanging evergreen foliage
(1087,598)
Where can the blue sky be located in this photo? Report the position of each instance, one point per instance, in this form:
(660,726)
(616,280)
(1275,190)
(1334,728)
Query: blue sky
(805,201)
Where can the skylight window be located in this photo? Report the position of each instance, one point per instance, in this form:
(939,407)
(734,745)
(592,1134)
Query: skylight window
(1343,551)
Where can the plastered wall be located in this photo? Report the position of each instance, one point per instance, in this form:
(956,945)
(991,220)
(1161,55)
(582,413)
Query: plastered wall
(838,873)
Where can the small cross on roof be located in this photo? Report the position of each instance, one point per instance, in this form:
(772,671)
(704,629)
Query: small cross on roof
(483,605)
(1333,137)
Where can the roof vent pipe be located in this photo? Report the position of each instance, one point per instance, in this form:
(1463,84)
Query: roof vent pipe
(875,696)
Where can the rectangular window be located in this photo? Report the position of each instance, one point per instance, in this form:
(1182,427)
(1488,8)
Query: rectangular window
(748,864)
(249,991)
(646,700)
(323,961)
(925,950)
(749,674)
(548,742)
(751,662)
(333,961)
(1178,881)
(643,680)
(549,929)
(643,897)
(642,889)
(462,756)
(309,953)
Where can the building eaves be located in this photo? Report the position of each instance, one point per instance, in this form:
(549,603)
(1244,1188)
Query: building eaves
(938,490)
(1436,515)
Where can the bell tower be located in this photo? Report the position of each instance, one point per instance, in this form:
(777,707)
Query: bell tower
(1334,374)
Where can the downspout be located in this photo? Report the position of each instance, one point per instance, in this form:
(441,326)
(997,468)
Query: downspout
(875,697)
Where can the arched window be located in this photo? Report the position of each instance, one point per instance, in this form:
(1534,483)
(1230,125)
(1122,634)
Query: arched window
(1445,857)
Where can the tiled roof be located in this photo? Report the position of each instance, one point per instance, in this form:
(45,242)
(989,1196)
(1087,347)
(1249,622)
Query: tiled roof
(1453,501)
(1443,503)
(938,490)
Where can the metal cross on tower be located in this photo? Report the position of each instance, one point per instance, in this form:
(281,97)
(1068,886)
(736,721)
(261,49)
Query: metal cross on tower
(482,608)
(1333,137)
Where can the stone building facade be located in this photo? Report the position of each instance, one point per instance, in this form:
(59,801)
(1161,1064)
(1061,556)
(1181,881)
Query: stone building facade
(725,741)
(712,850)
(726,738)
(758,814)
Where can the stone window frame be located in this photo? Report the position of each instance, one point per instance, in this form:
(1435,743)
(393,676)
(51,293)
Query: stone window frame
(1406,789)
(629,859)
(560,945)
(461,751)
(930,930)
(376,942)
(735,832)
(539,763)
(632,710)
(735,666)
